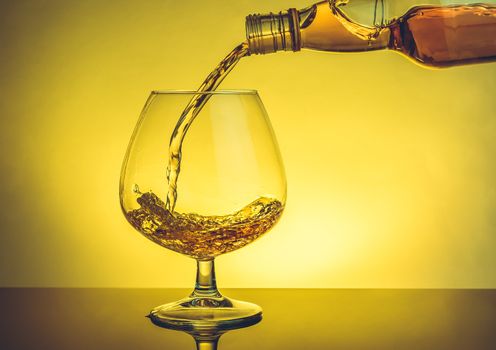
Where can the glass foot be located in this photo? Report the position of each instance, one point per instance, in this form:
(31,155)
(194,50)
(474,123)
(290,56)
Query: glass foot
(208,313)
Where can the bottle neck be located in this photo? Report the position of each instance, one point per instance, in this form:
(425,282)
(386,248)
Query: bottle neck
(319,27)
(267,33)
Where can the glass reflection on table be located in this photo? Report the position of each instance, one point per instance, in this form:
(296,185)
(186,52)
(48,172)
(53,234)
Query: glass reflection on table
(206,338)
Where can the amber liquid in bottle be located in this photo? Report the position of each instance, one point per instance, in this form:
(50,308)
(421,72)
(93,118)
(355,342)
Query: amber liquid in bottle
(435,36)
(446,36)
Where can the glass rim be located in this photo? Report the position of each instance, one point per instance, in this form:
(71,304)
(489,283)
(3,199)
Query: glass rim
(215,92)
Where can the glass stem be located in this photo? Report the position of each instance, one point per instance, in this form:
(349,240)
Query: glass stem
(206,285)
(209,344)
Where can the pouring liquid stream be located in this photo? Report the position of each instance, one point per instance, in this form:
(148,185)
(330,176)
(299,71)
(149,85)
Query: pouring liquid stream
(189,114)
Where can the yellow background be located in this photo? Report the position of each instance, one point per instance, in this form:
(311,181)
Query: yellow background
(391,168)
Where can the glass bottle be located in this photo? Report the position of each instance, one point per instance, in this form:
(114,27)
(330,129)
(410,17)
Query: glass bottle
(431,35)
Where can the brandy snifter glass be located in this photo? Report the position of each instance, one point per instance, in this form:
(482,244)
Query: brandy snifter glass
(231,189)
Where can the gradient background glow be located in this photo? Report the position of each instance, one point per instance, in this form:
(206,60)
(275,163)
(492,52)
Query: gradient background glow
(391,167)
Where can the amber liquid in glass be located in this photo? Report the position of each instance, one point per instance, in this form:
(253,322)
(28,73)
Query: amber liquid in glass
(200,236)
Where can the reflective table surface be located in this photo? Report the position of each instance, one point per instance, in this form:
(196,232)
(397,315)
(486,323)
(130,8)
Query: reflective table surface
(292,319)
